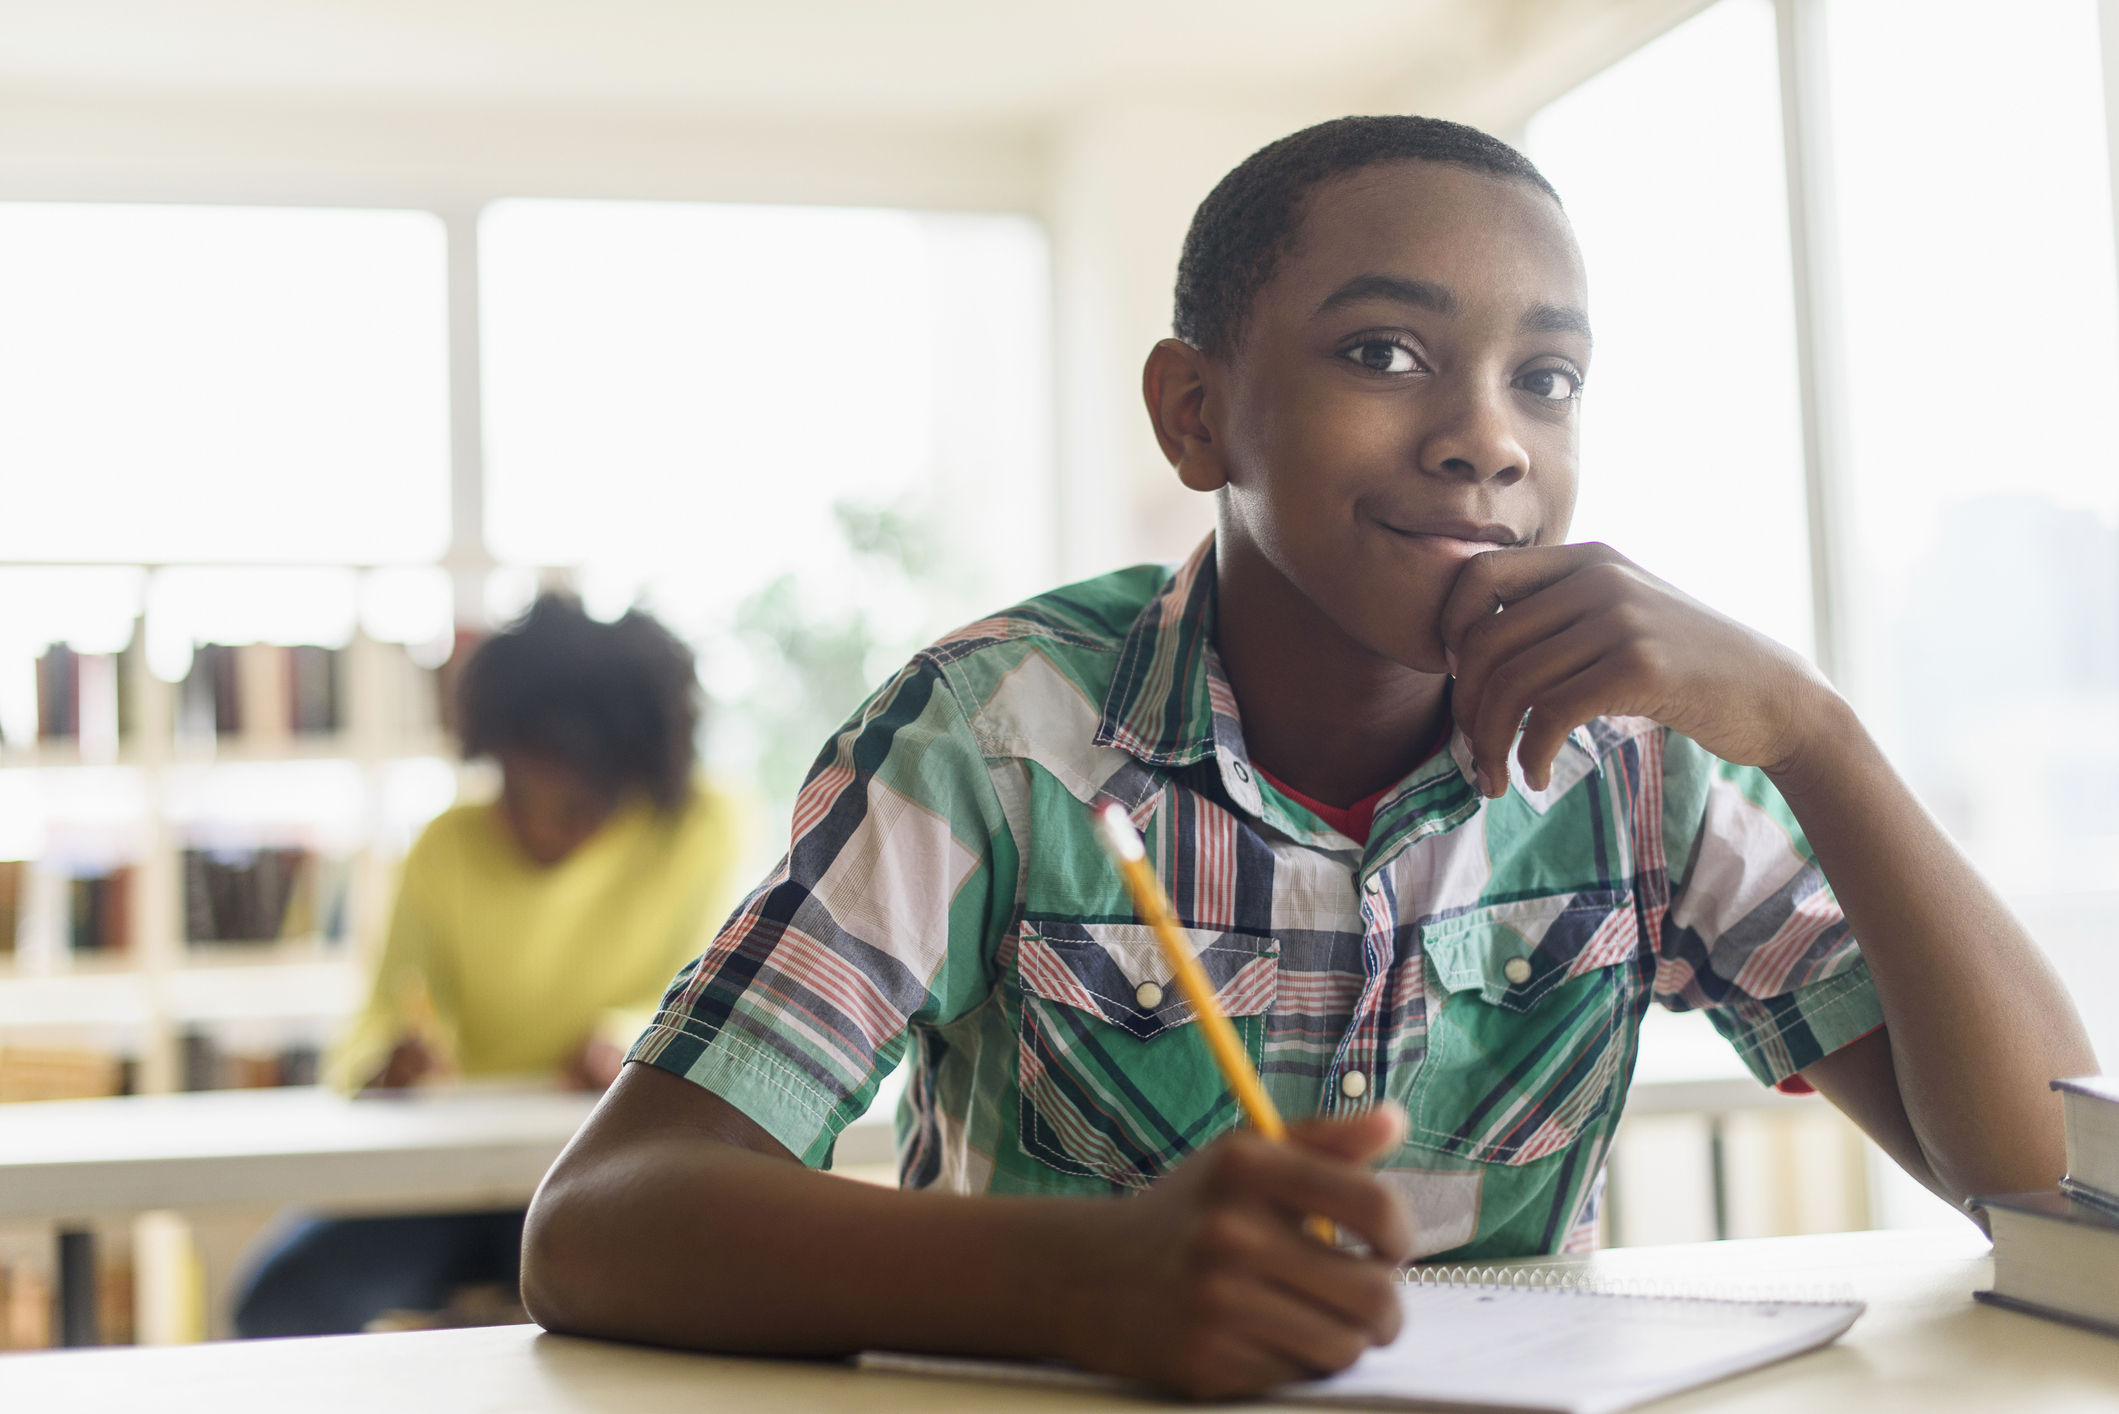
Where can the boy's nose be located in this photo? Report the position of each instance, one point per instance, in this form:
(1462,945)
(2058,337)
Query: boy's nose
(1475,441)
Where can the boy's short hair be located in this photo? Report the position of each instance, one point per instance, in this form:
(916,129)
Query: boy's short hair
(617,702)
(1252,216)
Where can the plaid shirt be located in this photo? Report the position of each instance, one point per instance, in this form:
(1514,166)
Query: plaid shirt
(1484,963)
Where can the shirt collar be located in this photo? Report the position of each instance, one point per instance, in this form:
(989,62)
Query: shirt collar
(1160,708)
(1170,706)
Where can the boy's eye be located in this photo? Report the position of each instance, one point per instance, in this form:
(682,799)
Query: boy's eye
(1383,356)
(1556,385)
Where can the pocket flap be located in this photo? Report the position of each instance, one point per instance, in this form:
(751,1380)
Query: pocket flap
(1113,969)
(1512,954)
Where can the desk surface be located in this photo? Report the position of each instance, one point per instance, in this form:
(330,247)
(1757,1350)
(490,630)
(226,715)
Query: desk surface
(81,1158)
(466,1147)
(472,1146)
(1923,1345)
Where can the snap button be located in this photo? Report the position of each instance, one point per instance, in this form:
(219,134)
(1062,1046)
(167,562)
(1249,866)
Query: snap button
(1148,996)
(1375,884)
(1353,1084)
(1516,970)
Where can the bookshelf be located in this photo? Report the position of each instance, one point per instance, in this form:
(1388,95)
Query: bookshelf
(200,889)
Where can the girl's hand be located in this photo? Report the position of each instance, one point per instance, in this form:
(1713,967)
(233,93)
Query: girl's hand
(593,1066)
(410,1062)
(1206,1284)
(1567,633)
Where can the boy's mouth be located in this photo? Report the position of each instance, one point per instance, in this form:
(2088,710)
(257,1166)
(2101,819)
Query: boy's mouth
(1457,539)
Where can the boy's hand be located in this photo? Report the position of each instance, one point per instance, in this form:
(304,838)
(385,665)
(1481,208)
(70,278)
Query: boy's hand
(1581,633)
(1208,1285)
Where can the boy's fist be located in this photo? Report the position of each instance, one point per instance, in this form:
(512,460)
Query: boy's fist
(1567,633)
(1206,1283)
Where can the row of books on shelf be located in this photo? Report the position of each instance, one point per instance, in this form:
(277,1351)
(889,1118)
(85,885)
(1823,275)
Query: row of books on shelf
(27,1314)
(262,895)
(29,1073)
(262,690)
(259,692)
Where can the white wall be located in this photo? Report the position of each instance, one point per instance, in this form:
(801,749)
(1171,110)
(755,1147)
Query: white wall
(1116,174)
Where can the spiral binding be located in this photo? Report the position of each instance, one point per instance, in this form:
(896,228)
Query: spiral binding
(1572,1281)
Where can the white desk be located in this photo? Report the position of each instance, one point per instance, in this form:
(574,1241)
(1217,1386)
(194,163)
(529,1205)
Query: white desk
(73,1162)
(1923,1346)
(77,1159)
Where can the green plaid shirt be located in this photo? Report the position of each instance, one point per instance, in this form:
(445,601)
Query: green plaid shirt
(1484,963)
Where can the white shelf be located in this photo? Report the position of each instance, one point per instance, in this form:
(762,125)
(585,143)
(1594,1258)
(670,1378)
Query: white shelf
(75,1000)
(358,794)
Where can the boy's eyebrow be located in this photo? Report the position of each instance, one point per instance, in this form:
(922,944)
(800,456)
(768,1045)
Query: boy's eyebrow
(1440,299)
(1421,294)
(1556,319)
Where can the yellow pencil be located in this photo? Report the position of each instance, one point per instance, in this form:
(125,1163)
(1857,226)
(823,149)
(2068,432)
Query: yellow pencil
(1122,842)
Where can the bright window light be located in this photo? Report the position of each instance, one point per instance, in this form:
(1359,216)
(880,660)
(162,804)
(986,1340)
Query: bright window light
(1983,357)
(223,384)
(680,393)
(1670,167)
(809,438)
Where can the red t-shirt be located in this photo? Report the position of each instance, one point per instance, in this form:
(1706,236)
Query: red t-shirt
(1356,820)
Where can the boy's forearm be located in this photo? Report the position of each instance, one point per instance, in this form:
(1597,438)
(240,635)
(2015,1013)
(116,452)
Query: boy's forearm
(670,1239)
(1978,1022)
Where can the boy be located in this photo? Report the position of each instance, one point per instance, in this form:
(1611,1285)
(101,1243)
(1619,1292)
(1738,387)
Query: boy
(1432,791)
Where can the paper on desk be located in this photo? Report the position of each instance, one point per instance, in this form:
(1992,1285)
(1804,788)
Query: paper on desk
(1536,1351)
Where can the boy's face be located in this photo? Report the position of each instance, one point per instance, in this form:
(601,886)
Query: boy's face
(1404,397)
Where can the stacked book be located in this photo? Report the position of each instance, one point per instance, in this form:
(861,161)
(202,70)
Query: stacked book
(2056,1253)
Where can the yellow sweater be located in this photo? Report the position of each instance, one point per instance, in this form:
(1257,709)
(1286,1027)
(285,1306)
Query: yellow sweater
(525,962)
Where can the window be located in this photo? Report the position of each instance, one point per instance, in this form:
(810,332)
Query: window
(223,384)
(1669,165)
(1982,347)
(809,438)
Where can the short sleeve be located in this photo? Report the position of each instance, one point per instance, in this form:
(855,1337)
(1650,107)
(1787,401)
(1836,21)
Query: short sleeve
(881,917)
(1752,933)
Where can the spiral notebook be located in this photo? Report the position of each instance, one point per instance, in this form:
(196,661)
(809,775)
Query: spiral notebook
(1564,1348)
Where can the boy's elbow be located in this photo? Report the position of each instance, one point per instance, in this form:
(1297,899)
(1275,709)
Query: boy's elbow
(557,1281)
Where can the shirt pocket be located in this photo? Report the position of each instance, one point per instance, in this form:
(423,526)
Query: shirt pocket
(1529,1039)
(1114,1085)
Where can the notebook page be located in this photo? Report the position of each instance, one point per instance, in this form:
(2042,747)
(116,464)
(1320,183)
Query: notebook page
(1569,1352)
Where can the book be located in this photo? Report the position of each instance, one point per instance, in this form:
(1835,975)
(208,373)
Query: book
(12,874)
(2090,1108)
(1549,1348)
(58,693)
(2054,1257)
(313,687)
(99,912)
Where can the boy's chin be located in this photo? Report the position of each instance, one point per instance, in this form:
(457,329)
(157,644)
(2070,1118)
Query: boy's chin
(1422,651)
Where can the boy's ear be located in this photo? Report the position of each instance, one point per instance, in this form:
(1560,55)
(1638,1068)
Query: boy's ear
(1175,385)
